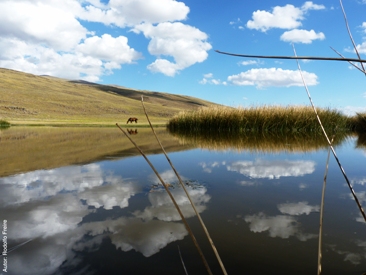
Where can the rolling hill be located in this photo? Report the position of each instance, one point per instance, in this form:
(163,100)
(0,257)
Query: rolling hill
(44,100)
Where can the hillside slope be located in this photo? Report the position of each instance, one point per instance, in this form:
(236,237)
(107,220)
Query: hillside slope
(31,99)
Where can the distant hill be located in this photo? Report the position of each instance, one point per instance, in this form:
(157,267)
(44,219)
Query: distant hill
(30,99)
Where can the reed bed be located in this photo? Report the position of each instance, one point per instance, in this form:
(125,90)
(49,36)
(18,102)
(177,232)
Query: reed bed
(259,119)
(4,124)
(358,122)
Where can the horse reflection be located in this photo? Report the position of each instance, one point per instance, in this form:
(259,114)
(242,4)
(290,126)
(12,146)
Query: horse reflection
(132,132)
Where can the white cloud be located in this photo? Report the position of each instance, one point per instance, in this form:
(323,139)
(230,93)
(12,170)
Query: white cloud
(352,110)
(47,37)
(124,13)
(186,44)
(249,62)
(361,48)
(108,48)
(276,77)
(208,79)
(273,169)
(39,22)
(302,36)
(286,17)
(309,5)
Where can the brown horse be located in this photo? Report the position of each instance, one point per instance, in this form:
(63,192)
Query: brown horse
(132,119)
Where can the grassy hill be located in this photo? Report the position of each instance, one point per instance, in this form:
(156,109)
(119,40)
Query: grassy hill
(45,100)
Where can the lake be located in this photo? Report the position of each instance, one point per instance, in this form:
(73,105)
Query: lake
(83,201)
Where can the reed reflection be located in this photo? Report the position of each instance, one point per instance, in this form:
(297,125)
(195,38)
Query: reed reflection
(255,141)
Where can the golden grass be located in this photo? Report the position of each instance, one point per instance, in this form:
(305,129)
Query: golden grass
(44,100)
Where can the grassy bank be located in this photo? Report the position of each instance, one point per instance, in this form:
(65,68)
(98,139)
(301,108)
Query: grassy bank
(45,100)
(261,119)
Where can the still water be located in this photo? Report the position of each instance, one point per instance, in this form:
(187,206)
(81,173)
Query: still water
(107,214)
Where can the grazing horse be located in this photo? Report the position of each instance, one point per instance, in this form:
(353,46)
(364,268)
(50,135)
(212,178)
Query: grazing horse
(132,119)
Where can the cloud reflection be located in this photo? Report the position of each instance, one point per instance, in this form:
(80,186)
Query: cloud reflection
(272,169)
(297,209)
(281,226)
(163,208)
(49,207)
(88,181)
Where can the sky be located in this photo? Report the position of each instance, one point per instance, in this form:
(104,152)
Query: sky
(169,46)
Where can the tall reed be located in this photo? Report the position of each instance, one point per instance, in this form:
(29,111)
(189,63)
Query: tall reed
(259,119)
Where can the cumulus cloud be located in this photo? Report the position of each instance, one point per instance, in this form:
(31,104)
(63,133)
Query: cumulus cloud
(187,45)
(302,36)
(286,17)
(47,37)
(108,48)
(39,22)
(361,48)
(209,79)
(250,62)
(352,110)
(124,13)
(272,169)
(268,77)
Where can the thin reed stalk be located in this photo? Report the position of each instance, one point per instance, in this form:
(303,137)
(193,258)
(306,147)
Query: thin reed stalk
(173,200)
(185,190)
(330,144)
(321,214)
(350,36)
(295,57)
(181,259)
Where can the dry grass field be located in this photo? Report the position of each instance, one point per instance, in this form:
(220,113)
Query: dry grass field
(27,99)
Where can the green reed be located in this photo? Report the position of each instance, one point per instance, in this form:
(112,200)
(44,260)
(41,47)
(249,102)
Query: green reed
(260,119)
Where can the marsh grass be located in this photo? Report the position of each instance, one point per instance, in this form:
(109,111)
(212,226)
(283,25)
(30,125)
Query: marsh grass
(358,122)
(290,119)
(4,124)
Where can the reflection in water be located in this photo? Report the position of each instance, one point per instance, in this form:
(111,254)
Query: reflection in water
(261,168)
(26,149)
(296,209)
(277,226)
(272,169)
(82,180)
(48,207)
(86,219)
(259,141)
(132,132)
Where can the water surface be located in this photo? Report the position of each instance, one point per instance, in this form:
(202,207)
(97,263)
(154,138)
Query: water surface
(105,215)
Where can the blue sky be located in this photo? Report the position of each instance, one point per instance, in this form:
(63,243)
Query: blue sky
(169,46)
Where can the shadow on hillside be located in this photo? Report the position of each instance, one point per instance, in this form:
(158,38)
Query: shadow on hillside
(136,94)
